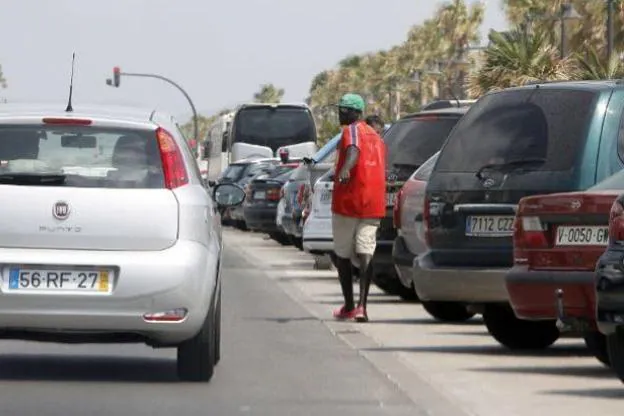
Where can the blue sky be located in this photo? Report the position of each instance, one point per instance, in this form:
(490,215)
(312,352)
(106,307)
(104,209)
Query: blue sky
(219,51)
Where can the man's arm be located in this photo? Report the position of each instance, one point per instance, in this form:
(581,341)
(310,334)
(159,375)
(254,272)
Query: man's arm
(350,142)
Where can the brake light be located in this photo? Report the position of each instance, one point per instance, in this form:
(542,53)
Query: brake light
(528,233)
(300,193)
(273,194)
(616,223)
(174,169)
(281,193)
(247,190)
(67,121)
(396,208)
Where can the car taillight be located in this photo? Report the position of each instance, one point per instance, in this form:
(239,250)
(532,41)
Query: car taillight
(273,194)
(396,209)
(281,193)
(247,190)
(300,193)
(616,223)
(528,233)
(174,170)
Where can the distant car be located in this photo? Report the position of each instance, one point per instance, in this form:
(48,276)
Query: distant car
(522,141)
(114,239)
(558,238)
(262,197)
(410,142)
(317,230)
(241,173)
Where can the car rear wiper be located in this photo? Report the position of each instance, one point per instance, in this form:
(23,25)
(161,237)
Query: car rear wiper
(33,178)
(511,165)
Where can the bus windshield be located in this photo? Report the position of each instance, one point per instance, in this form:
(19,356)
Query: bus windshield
(273,127)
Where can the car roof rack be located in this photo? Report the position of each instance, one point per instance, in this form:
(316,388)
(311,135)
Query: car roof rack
(441,104)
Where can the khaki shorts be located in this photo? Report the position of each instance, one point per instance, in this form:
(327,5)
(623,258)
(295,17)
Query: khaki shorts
(354,236)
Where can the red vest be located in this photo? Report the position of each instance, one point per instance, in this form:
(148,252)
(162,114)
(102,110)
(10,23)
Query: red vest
(364,196)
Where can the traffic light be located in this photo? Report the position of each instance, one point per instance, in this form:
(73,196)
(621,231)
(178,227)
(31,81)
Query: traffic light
(116,76)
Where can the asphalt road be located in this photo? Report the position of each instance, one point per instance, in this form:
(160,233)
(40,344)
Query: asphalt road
(277,359)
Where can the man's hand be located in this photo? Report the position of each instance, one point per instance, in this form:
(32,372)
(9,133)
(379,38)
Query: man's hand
(344,176)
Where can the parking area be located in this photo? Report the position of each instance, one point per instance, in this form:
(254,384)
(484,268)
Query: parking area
(426,358)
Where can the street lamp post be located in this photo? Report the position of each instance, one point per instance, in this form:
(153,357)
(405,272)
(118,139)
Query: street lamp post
(567,13)
(610,4)
(115,81)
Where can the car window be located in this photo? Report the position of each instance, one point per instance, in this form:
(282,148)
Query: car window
(414,140)
(424,171)
(615,181)
(94,157)
(521,124)
(233,172)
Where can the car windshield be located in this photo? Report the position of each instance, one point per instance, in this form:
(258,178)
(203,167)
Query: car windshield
(515,125)
(274,126)
(615,182)
(85,156)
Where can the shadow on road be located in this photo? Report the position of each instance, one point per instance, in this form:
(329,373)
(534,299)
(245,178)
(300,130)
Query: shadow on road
(611,393)
(589,371)
(422,321)
(86,368)
(562,351)
(284,320)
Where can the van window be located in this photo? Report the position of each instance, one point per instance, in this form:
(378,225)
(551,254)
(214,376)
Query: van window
(424,171)
(522,124)
(273,127)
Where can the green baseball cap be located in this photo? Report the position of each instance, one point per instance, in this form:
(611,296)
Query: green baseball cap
(352,101)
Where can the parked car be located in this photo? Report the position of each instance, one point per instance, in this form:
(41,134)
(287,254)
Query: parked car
(558,239)
(609,296)
(317,230)
(95,268)
(410,142)
(241,173)
(530,140)
(262,197)
(410,240)
(302,177)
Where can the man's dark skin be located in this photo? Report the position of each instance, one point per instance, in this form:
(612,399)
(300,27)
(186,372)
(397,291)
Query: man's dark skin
(345,271)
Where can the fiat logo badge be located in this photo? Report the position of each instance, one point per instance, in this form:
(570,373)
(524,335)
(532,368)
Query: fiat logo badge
(60,210)
(576,204)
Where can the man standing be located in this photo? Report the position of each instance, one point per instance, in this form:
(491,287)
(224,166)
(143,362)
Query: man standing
(358,203)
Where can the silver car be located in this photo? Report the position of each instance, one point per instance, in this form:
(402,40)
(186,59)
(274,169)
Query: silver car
(107,234)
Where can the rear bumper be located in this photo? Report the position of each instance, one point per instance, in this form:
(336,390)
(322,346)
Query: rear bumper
(183,276)
(532,293)
(317,235)
(403,261)
(458,284)
(261,218)
(609,289)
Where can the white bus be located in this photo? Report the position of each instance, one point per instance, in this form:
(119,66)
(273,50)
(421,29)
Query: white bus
(215,146)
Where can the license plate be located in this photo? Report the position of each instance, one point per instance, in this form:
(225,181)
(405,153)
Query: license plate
(260,195)
(390,199)
(489,226)
(583,235)
(23,279)
(326,197)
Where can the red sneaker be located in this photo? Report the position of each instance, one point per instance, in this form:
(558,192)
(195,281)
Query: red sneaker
(360,315)
(342,314)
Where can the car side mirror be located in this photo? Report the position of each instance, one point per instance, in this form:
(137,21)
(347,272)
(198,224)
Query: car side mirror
(228,195)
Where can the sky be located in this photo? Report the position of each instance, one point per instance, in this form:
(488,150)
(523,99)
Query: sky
(218,51)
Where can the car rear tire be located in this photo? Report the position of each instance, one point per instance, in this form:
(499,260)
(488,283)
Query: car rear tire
(393,286)
(518,334)
(298,242)
(447,311)
(615,346)
(597,344)
(197,356)
(281,238)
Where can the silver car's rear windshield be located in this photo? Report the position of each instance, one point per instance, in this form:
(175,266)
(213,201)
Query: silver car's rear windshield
(84,156)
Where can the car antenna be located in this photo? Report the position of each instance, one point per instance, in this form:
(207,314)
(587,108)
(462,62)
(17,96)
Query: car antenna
(71,86)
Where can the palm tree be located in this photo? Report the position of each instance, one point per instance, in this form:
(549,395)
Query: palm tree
(593,66)
(269,93)
(518,57)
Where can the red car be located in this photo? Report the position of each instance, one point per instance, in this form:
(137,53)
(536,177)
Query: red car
(558,239)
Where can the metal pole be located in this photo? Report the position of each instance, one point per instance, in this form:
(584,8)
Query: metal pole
(563,36)
(188,98)
(609,29)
